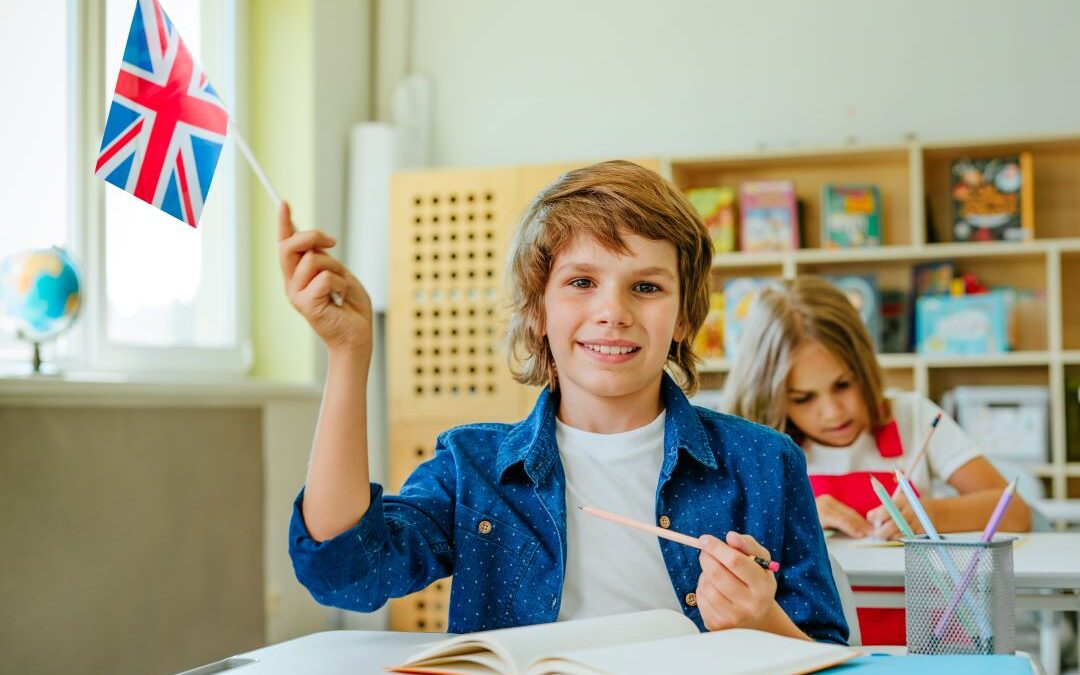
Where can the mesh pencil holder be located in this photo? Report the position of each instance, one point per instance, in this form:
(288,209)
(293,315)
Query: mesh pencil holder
(959,595)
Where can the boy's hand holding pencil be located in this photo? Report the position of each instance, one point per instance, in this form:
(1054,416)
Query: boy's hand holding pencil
(733,591)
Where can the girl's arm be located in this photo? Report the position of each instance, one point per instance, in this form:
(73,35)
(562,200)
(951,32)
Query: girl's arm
(980,486)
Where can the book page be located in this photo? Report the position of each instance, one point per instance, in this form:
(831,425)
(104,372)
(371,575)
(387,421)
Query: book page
(515,648)
(733,652)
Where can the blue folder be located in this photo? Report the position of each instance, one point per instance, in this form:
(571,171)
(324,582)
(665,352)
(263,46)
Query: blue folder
(883,664)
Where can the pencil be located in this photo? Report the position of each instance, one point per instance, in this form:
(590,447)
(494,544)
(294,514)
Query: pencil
(678,537)
(925,444)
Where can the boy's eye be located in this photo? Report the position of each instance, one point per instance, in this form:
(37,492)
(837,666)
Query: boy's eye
(581,283)
(646,287)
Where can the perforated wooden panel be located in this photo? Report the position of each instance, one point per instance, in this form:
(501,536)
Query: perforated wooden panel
(450,236)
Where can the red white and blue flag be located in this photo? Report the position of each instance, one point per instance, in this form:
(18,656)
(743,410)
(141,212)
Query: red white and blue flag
(166,125)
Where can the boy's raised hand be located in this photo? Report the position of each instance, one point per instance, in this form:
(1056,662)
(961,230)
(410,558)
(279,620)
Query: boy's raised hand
(311,276)
(733,591)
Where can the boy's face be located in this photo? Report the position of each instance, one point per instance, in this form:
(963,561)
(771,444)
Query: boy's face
(823,399)
(611,318)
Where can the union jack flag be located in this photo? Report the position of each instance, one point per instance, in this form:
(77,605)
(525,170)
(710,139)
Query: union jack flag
(166,125)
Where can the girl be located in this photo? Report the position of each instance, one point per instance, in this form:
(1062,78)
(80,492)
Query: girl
(806,366)
(609,278)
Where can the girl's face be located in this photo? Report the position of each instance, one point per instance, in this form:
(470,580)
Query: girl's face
(823,400)
(610,318)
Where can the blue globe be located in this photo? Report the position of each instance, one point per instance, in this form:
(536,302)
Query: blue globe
(39,293)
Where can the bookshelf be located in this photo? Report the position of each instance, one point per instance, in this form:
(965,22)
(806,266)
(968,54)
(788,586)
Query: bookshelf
(914,181)
(447,308)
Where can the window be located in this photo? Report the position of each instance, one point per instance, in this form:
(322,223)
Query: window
(35,133)
(158,295)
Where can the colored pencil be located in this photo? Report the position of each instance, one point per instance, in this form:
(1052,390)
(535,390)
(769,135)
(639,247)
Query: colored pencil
(684,539)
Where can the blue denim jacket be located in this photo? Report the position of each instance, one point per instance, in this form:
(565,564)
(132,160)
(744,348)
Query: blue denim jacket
(719,473)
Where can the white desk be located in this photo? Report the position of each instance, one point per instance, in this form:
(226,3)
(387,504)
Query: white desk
(338,652)
(1046,567)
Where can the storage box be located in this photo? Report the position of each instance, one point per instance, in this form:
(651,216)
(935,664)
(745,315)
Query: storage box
(962,325)
(1008,423)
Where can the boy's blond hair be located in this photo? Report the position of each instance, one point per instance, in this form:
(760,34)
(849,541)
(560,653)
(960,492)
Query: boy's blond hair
(784,316)
(603,201)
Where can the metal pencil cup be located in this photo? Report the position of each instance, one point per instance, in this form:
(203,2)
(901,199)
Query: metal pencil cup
(959,595)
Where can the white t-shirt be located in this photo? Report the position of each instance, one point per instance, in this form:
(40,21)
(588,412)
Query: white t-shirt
(950,448)
(611,568)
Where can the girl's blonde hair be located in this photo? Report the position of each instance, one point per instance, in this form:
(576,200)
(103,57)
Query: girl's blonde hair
(782,317)
(603,201)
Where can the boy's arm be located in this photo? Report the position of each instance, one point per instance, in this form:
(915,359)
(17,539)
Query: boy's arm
(402,543)
(806,592)
(338,309)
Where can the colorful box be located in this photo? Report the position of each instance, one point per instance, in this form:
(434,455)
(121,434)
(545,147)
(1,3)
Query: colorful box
(769,216)
(992,198)
(739,293)
(716,206)
(850,216)
(962,325)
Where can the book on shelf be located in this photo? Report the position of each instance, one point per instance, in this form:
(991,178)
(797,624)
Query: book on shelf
(967,325)
(716,206)
(862,291)
(769,216)
(850,215)
(992,198)
(739,295)
(656,641)
(709,341)
(895,331)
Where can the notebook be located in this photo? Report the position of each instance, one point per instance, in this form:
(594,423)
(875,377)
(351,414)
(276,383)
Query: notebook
(655,641)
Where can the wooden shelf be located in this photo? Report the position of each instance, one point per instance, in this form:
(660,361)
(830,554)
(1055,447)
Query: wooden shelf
(914,181)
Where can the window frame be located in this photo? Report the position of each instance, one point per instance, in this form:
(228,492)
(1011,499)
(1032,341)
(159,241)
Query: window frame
(90,347)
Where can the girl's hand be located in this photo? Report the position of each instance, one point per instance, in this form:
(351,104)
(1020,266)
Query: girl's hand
(885,528)
(311,276)
(836,515)
(733,590)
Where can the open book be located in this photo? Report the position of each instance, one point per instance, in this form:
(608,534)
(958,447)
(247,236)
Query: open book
(657,641)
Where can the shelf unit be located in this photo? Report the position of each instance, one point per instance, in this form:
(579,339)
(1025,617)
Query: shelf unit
(914,181)
(450,231)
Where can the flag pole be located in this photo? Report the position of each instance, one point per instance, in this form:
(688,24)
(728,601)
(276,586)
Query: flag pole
(245,150)
(255,166)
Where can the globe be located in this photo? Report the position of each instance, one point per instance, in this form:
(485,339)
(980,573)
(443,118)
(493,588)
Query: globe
(39,293)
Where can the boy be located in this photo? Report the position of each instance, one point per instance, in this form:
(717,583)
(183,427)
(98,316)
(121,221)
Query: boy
(609,276)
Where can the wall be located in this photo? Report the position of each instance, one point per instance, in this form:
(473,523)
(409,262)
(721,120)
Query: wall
(558,80)
(133,537)
(308,64)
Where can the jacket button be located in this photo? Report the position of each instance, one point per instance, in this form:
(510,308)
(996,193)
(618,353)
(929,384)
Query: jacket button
(665,522)
(485,526)
(691,599)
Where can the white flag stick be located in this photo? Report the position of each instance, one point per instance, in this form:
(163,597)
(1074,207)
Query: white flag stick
(245,150)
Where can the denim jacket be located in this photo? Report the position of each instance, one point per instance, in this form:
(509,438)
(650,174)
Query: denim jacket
(489,508)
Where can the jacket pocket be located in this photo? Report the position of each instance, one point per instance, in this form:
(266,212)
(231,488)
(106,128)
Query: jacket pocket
(491,558)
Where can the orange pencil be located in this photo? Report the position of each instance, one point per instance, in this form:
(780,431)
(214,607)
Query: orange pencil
(677,537)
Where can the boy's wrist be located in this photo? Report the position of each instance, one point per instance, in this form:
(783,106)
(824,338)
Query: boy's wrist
(350,358)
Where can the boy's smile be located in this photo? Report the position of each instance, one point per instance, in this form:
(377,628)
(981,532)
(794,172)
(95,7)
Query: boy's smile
(610,319)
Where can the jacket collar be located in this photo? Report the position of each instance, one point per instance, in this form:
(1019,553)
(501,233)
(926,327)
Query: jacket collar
(531,442)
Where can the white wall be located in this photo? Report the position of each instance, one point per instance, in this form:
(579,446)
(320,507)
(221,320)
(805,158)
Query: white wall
(572,79)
